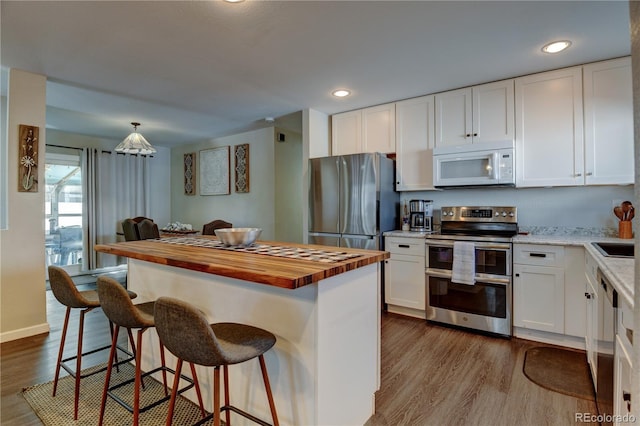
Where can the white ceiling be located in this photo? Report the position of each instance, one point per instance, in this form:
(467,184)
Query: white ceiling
(193,70)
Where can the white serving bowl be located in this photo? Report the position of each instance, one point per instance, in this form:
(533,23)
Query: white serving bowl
(238,236)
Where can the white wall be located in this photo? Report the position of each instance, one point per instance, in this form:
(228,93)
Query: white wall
(252,209)
(586,207)
(22,292)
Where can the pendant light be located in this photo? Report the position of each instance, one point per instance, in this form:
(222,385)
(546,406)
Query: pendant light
(135,143)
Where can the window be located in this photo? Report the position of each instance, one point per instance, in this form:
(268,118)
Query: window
(63,210)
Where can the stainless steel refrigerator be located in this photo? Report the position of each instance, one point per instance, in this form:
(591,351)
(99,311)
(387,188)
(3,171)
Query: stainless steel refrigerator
(352,200)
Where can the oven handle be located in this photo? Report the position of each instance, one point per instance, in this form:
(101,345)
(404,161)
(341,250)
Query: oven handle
(447,274)
(477,244)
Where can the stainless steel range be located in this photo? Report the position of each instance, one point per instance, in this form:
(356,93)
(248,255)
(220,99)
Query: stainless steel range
(468,269)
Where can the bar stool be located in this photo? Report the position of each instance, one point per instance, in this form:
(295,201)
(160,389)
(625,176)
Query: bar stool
(121,311)
(65,291)
(186,332)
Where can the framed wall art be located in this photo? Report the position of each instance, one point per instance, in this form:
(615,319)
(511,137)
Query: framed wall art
(28,158)
(190,173)
(241,154)
(214,171)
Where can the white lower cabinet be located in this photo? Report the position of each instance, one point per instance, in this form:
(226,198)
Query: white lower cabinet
(404,283)
(591,311)
(538,287)
(622,397)
(548,294)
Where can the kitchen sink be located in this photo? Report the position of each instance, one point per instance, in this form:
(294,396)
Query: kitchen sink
(615,249)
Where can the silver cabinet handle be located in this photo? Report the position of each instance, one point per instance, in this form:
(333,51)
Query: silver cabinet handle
(589,174)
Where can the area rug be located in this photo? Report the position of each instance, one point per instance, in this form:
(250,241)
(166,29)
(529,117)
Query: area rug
(58,410)
(560,370)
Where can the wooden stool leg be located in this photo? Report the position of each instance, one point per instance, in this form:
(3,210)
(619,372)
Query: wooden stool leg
(107,379)
(198,392)
(226,395)
(265,377)
(61,350)
(216,396)
(164,366)
(174,392)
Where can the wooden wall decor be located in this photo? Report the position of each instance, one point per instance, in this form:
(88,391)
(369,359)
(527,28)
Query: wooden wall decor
(190,173)
(242,167)
(28,158)
(214,171)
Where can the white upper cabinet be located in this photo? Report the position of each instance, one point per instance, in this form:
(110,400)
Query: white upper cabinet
(346,133)
(477,114)
(549,128)
(608,115)
(365,130)
(415,132)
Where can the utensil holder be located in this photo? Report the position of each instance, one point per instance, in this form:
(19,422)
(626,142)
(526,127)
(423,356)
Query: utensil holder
(625,230)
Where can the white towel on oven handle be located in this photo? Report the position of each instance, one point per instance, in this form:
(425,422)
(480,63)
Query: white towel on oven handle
(464,263)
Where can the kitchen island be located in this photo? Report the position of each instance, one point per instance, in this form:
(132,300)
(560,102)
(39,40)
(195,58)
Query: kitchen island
(322,303)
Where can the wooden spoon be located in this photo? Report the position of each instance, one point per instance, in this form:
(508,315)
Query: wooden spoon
(617,210)
(626,206)
(631,214)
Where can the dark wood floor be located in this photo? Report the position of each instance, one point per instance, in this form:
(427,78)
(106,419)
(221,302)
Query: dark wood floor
(431,375)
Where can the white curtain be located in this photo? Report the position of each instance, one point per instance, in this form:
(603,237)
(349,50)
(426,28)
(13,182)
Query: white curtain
(117,186)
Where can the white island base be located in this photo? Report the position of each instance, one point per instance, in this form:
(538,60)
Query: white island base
(325,366)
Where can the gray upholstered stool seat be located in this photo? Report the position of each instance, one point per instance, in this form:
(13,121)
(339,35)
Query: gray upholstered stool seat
(186,332)
(65,292)
(123,313)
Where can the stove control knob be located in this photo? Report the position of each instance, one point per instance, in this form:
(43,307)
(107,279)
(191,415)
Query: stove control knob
(511,214)
(504,214)
(497,214)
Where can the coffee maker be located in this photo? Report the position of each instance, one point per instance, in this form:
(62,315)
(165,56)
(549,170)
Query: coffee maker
(421,215)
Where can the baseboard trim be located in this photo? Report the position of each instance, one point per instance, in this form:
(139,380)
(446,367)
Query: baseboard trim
(410,312)
(551,338)
(24,332)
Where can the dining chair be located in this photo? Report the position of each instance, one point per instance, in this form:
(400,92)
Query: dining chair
(210,228)
(147,229)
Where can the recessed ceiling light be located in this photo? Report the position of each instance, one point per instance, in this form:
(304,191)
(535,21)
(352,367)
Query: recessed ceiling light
(556,46)
(341,93)
(234,1)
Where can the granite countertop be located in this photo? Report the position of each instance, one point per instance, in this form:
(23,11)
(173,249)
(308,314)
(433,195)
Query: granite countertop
(619,271)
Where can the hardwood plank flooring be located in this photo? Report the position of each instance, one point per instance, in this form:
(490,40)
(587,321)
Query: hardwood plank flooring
(431,375)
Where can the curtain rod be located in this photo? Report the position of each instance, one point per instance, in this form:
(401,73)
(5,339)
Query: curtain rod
(61,146)
(103,150)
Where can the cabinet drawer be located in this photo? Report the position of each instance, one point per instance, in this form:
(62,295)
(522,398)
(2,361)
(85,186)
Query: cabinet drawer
(540,255)
(409,246)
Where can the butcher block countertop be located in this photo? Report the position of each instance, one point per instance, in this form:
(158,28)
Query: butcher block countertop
(273,263)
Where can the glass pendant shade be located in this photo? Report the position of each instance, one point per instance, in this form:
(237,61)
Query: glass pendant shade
(135,143)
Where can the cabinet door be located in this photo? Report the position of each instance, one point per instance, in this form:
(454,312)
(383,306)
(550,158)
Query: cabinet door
(622,383)
(608,112)
(379,129)
(549,129)
(591,334)
(453,118)
(346,133)
(538,298)
(575,305)
(493,112)
(415,119)
(405,281)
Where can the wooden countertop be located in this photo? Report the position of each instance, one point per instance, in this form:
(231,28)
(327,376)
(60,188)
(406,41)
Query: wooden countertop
(271,270)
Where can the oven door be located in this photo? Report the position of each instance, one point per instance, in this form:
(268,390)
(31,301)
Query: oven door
(492,259)
(484,306)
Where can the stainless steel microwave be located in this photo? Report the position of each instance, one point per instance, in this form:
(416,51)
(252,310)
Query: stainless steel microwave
(474,165)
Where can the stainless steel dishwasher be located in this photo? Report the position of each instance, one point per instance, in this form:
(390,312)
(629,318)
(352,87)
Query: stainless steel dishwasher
(605,347)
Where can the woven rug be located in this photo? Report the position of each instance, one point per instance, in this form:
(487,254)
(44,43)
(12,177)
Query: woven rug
(560,370)
(58,410)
